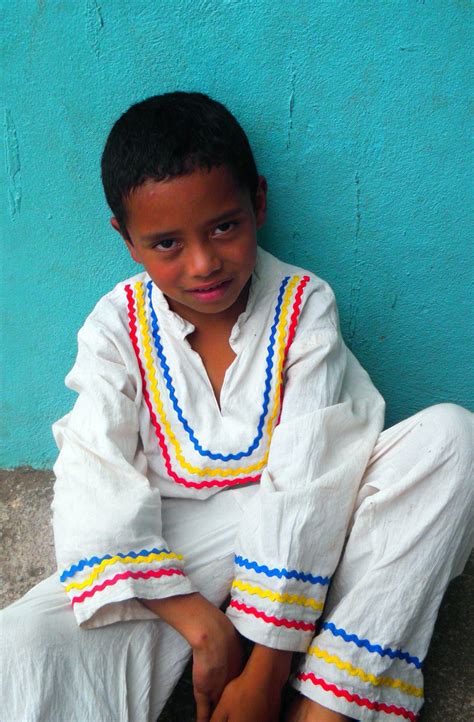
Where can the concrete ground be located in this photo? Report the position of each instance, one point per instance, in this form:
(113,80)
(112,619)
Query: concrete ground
(28,557)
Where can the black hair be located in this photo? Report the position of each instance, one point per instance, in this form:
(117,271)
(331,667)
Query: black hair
(171,135)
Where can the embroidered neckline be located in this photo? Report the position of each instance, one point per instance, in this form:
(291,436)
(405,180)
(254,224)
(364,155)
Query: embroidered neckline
(137,312)
(280,313)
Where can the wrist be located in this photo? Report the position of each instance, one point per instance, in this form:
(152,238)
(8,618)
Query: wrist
(196,619)
(209,629)
(269,666)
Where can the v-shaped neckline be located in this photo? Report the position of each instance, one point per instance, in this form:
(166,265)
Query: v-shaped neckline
(225,382)
(269,372)
(152,361)
(186,328)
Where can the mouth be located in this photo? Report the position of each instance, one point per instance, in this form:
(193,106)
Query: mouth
(211,292)
(209,286)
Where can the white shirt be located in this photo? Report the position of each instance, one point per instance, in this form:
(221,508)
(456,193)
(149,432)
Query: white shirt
(297,415)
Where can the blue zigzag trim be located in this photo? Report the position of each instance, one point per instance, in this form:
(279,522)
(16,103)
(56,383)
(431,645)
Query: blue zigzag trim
(288,574)
(384,652)
(97,560)
(266,395)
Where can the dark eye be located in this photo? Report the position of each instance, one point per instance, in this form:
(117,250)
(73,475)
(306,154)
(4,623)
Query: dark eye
(167,244)
(224,227)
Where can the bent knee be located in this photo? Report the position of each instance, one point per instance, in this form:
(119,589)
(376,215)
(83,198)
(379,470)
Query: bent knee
(451,424)
(451,414)
(451,431)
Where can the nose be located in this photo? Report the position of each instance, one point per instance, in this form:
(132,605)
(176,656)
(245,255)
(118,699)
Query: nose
(203,261)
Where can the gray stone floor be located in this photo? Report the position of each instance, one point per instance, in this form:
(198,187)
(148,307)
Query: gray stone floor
(28,556)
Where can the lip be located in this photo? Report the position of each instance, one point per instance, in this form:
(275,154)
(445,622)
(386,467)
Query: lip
(211,291)
(207,286)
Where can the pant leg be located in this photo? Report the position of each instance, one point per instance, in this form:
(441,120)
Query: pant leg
(53,671)
(411,533)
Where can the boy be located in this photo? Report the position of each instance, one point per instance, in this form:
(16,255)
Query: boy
(224,440)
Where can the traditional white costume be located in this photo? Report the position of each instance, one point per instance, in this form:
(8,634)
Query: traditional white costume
(161,492)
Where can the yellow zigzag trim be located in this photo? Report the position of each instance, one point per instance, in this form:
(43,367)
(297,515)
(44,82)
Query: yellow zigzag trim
(122,560)
(365,676)
(150,366)
(276,597)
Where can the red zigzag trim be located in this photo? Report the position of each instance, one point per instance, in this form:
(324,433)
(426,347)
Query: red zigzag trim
(291,332)
(361,701)
(127,575)
(277,621)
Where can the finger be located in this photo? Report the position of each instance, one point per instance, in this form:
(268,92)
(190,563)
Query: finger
(218,715)
(203,707)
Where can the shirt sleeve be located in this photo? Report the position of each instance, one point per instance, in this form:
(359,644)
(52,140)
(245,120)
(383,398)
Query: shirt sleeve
(291,536)
(106,515)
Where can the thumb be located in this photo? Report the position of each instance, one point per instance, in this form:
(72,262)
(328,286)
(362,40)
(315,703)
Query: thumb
(203,707)
(219,714)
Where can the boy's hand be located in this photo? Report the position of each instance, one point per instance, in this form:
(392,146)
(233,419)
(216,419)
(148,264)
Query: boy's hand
(256,694)
(242,701)
(217,650)
(217,659)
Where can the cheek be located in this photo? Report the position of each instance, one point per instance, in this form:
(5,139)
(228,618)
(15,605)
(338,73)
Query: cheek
(163,274)
(248,253)
(246,246)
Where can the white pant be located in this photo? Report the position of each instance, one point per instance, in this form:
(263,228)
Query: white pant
(411,532)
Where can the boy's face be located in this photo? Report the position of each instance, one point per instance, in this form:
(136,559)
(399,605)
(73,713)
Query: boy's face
(196,235)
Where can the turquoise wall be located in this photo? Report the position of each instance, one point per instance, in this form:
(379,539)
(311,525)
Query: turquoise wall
(358,113)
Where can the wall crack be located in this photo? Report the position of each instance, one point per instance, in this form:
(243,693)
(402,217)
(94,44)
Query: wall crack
(291,104)
(356,278)
(13,164)
(94,25)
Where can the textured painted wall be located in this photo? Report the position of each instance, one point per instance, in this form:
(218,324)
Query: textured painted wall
(358,113)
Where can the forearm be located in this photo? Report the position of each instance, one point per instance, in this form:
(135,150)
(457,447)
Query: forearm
(217,653)
(191,615)
(267,666)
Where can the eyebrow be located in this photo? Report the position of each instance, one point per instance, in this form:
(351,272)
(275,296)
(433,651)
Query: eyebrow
(227,214)
(161,235)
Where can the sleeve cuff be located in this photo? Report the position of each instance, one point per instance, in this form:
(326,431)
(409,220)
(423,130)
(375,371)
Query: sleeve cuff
(276,607)
(105,590)
(270,630)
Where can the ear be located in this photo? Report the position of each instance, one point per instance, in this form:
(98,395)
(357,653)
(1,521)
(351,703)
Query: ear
(261,201)
(131,248)
(116,225)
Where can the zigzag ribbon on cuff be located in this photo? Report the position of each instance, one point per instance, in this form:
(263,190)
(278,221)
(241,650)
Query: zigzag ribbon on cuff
(92,561)
(356,699)
(280,573)
(122,560)
(375,648)
(374,680)
(270,619)
(298,599)
(151,574)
